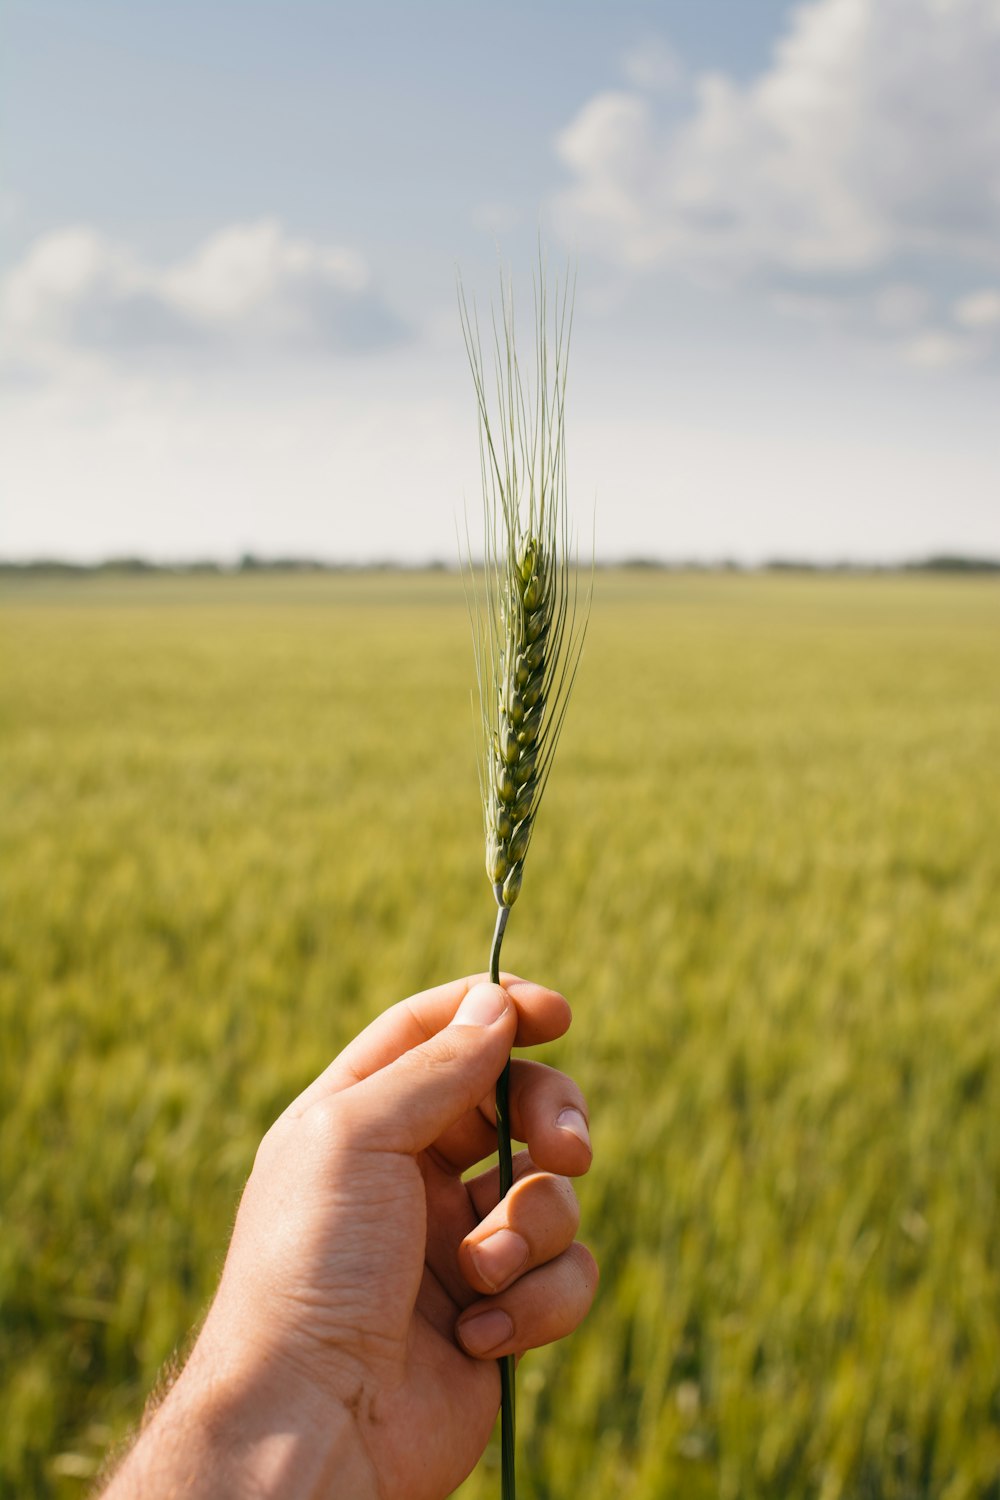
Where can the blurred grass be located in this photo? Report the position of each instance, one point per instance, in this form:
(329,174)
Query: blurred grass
(240,816)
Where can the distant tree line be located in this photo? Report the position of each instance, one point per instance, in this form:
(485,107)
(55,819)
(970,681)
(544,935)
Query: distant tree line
(250,562)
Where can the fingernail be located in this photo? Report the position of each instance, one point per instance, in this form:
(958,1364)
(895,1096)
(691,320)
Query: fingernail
(497,1258)
(573,1121)
(484,1004)
(486,1331)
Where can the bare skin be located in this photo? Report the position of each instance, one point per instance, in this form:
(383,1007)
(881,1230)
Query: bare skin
(351,1347)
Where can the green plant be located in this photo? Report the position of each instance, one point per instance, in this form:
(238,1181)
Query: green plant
(528,628)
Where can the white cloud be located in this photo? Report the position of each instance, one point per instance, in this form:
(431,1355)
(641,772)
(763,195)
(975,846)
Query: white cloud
(938,350)
(62,272)
(253,271)
(247,287)
(873,134)
(979,309)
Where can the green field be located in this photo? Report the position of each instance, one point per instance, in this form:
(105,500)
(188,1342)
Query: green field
(240,816)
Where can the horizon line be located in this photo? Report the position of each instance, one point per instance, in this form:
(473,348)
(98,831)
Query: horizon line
(251,562)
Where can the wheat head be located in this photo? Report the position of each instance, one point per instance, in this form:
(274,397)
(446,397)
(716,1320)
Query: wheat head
(528,626)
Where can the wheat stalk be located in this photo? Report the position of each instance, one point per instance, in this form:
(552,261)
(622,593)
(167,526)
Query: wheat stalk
(528,626)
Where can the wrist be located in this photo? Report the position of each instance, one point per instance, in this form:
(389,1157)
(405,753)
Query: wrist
(251,1432)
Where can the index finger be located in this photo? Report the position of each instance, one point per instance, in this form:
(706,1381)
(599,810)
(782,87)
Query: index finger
(542,1015)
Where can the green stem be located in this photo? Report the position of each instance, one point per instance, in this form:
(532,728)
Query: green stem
(506,1169)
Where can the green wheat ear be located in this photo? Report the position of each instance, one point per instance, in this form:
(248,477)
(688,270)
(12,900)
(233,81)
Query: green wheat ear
(528,626)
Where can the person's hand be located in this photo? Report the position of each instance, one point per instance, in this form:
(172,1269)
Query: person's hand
(368,1291)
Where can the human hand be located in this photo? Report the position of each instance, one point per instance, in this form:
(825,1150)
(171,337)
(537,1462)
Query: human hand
(368,1291)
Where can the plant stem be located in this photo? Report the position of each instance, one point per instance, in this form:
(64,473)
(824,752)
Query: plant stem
(506,1170)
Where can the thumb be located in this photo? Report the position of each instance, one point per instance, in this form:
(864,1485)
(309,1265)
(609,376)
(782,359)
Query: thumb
(408,1104)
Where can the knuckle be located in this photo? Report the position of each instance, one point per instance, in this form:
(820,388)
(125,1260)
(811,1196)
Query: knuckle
(444,1050)
(325,1124)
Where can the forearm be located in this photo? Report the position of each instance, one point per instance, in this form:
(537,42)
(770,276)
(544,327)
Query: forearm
(252,1434)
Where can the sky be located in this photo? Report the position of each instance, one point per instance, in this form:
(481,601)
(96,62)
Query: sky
(231,233)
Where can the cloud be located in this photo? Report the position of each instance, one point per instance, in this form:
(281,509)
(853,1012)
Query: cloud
(935,349)
(870,143)
(979,309)
(247,288)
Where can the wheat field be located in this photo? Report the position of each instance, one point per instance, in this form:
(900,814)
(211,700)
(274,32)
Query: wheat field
(240,816)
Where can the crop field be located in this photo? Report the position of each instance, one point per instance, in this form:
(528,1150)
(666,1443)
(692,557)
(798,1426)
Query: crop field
(240,816)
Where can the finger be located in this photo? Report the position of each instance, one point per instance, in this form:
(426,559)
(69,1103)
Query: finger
(535,1222)
(406,1105)
(540,1308)
(484,1190)
(542,1015)
(454,1210)
(547,1111)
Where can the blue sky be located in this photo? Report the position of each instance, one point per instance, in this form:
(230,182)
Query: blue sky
(229,236)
